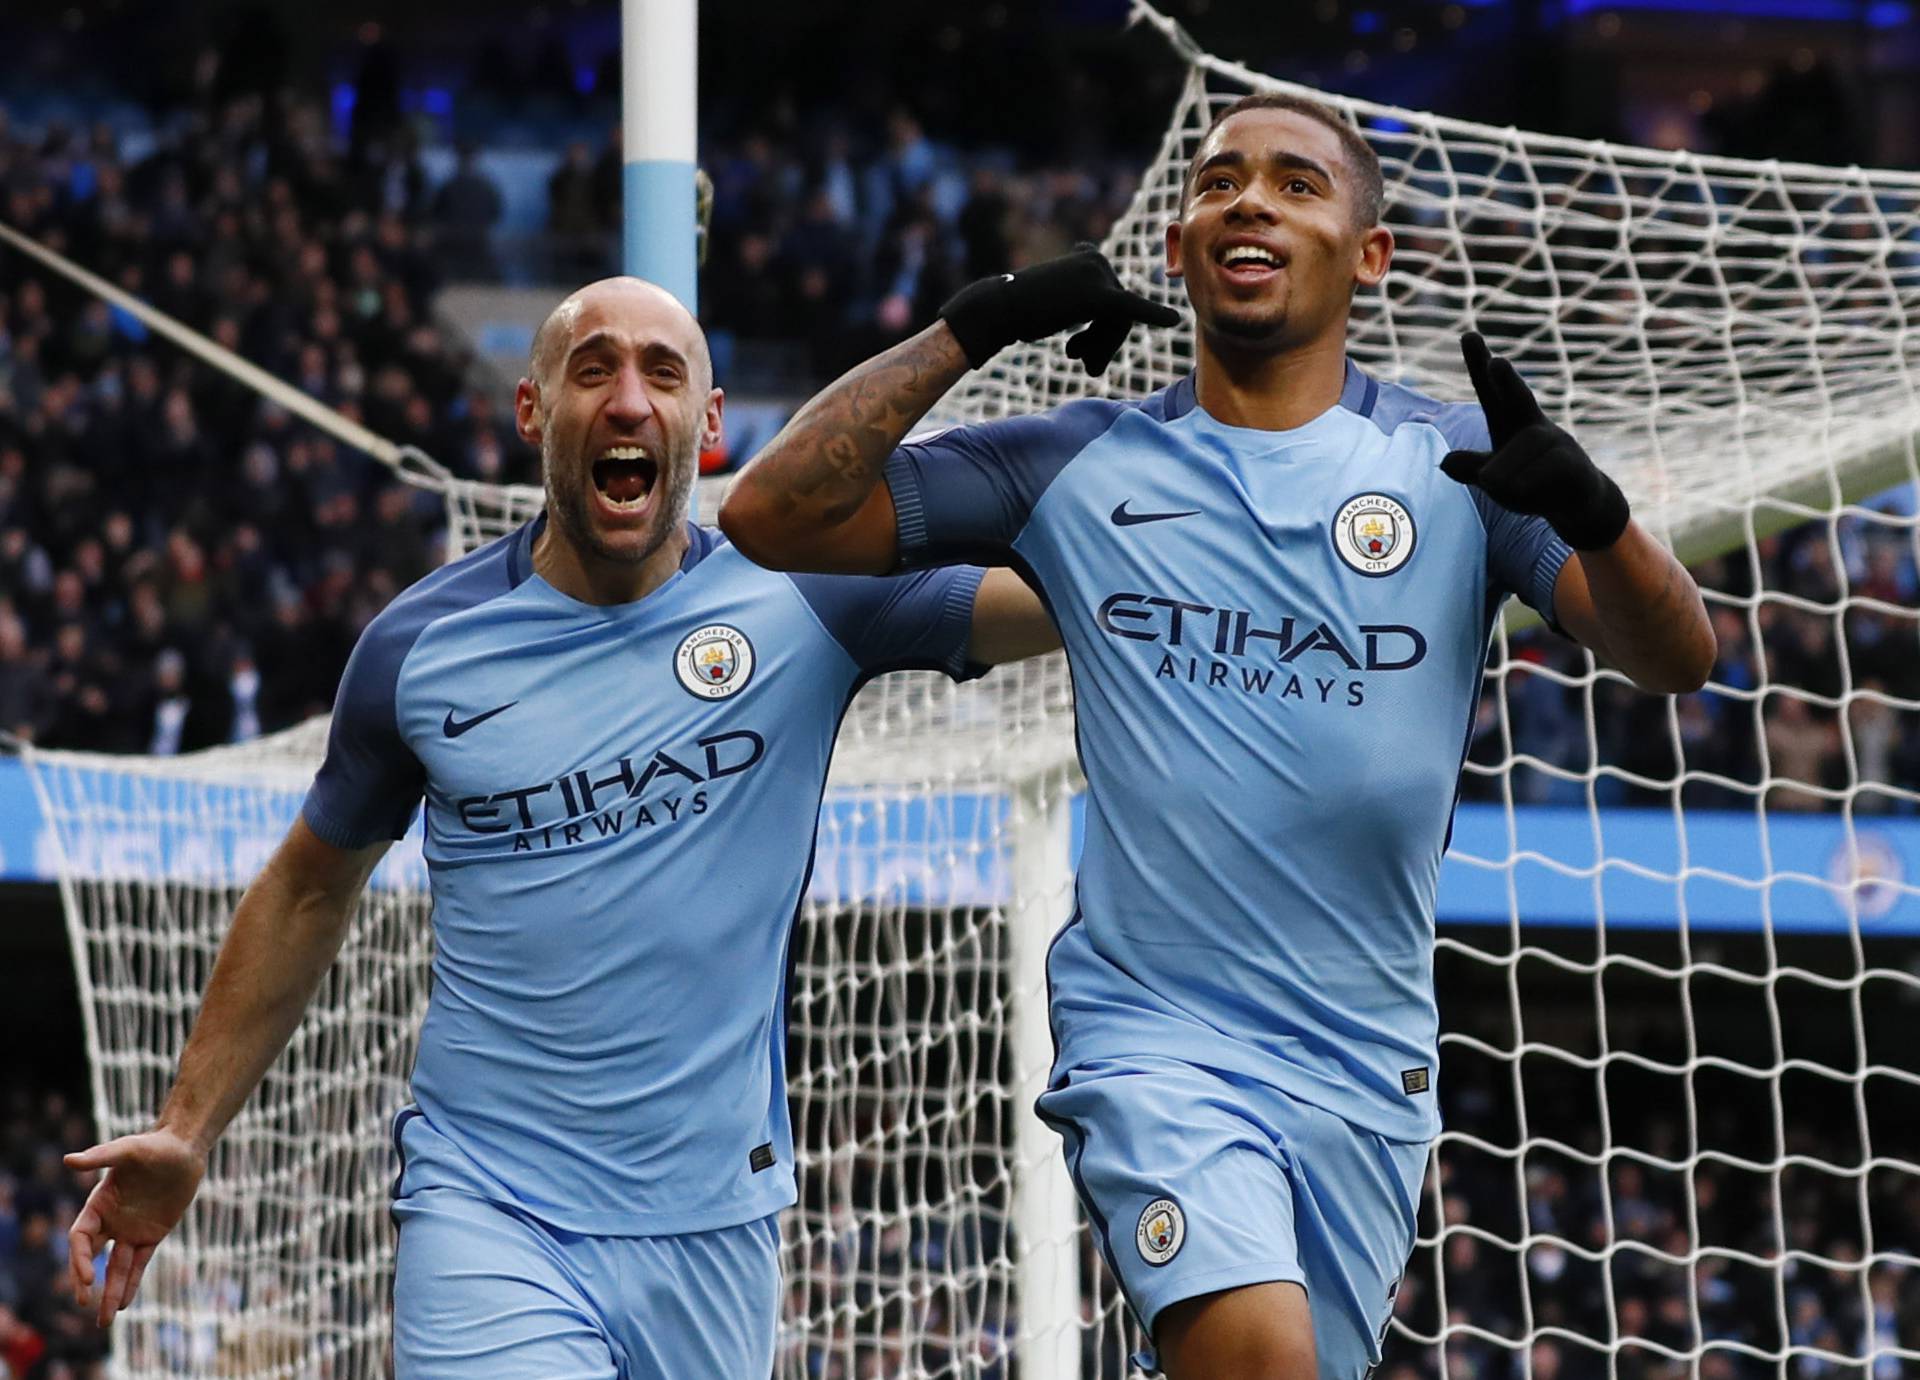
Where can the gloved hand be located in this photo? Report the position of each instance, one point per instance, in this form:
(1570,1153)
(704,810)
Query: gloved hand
(1037,302)
(1534,466)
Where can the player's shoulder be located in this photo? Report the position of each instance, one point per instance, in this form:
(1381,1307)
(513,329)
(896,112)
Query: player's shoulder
(477,578)
(1392,406)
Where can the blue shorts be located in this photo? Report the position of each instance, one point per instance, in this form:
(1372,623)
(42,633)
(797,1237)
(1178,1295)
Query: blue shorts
(1196,1181)
(483,1290)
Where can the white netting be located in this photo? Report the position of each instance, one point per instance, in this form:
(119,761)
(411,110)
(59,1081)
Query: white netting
(1681,1136)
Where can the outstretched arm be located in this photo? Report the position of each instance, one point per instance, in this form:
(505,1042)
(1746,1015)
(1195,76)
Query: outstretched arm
(1623,595)
(1009,621)
(286,931)
(813,500)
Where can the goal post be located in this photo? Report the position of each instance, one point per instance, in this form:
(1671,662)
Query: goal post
(659,70)
(1682,995)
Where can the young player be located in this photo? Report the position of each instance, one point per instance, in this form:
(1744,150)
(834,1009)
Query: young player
(1276,581)
(621,729)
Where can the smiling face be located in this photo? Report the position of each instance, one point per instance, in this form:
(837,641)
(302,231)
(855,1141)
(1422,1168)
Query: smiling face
(620,402)
(1275,234)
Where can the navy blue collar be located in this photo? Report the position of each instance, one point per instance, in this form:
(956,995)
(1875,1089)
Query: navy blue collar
(1358,394)
(1361,390)
(701,542)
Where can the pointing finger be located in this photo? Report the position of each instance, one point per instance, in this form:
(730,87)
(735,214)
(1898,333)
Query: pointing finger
(1474,349)
(1147,311)
(1519,406)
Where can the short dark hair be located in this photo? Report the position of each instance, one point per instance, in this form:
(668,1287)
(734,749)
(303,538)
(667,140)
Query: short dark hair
(1369,186)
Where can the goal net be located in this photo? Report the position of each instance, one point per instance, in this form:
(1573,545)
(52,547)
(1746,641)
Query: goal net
(1680,1133)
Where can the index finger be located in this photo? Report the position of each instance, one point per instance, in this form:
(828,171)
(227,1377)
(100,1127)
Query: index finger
(1473,348)
(1520,404)
(1145,310)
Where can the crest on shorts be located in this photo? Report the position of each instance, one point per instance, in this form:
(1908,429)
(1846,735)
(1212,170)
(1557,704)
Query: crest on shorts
(1162,1231)
(1373,534)
(714,662)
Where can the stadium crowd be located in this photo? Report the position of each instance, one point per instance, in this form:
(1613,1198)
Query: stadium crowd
(44,1335)
(182,564)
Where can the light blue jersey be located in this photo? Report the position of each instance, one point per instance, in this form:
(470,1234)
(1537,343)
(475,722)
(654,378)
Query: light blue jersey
(620,813)
(1277,640)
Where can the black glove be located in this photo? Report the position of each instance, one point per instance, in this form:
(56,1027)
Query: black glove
(1037,302)
(1534,466)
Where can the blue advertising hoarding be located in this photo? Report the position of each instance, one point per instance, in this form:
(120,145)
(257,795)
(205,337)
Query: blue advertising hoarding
(1634,868)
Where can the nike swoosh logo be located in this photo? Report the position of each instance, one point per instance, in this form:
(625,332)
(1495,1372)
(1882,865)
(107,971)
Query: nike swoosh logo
(1122,518)
(453,727)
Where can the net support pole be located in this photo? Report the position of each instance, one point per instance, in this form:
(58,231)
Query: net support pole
(658,86)
(1046,1220)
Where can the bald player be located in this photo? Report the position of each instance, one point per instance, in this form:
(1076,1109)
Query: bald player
(621,731)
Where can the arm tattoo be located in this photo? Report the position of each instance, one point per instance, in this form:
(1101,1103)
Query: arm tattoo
(825,461)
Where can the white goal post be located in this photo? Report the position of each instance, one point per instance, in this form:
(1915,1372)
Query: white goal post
(1737,343)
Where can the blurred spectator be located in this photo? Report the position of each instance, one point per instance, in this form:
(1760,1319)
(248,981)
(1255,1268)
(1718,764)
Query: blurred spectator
(1802,750)
(27,704)
(574,218)
(465,210)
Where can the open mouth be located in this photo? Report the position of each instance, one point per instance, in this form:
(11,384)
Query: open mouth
(625,476)
(1250,261)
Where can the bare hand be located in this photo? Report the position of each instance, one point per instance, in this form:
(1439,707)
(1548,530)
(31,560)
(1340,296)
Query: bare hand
(150,1179)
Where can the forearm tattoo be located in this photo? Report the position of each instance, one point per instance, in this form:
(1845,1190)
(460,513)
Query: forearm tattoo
(829,457)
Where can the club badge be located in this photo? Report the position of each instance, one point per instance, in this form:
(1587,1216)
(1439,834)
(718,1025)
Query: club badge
(1162,1231)
(1373,534)
(714,662)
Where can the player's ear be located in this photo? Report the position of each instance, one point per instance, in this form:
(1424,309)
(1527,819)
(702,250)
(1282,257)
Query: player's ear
(1173,249)
(526,411)
(1376,252)
(712,430)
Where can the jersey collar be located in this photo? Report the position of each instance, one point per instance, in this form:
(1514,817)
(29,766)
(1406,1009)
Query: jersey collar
(1360,391)
(701,542)
(1358,394)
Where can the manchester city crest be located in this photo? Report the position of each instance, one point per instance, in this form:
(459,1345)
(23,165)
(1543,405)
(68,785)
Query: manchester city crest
(1162,1231)
(1373,534)
(714,662)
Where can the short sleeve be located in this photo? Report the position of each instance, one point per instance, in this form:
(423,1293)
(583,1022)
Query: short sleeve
(370,781)
(1524,553)
(1524,556)
(966,494)
(919,621)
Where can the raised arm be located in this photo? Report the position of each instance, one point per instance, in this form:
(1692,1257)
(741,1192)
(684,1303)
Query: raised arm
(1622,595)
(813,500)
(1637,609)
(286,931)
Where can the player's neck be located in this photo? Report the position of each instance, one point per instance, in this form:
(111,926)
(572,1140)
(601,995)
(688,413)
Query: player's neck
(580,576)
(1273,390)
